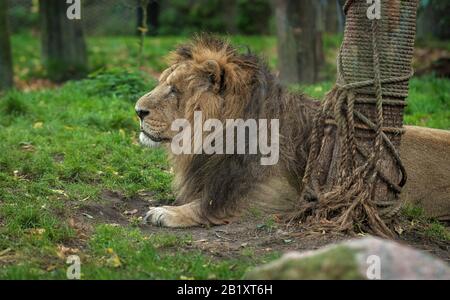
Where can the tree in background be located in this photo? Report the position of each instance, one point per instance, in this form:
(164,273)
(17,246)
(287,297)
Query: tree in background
(6,70)
(253,17)
(220,16)
(142,27)
(63,45)
(433,19)
(334,19)
(298,40)
(152,16)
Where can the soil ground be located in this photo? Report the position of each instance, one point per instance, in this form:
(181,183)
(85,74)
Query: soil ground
(228,241)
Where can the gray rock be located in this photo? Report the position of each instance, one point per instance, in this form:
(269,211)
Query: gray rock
(367,258)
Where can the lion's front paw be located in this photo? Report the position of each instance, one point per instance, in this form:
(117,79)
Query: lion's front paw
(172,216)
(186,215)
(160,216)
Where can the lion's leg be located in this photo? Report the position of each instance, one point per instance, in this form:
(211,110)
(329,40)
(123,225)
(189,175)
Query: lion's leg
(187,215)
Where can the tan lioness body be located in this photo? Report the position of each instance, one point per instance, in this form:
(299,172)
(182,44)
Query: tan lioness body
(211,76)
(426,155)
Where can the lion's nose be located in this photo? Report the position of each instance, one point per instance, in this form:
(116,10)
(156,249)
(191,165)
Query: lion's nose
(142,113)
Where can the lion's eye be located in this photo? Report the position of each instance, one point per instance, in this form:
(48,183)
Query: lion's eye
(173,90)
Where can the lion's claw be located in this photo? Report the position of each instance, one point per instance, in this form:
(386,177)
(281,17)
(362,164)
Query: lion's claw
(170,216)
(155,216)
(163,216)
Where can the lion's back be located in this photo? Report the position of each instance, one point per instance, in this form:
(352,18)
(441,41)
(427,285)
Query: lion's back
(426,155)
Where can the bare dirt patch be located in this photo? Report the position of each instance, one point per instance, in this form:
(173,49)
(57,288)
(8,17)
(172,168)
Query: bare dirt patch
(114,208)
(252,235)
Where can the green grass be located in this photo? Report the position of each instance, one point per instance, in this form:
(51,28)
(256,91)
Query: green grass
(429,103)
(121,253)
(123,51)
(62,146)
(428,100)
(429,227)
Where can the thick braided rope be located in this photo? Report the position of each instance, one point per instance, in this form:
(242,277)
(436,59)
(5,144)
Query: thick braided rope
(356,185)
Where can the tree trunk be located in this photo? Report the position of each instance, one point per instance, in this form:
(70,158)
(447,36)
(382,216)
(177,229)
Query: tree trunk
(331,17)
(6,70)
(320,25)
(152,17)
(432,20)
(297,36)
(63,44)
(230,11)
(349,191)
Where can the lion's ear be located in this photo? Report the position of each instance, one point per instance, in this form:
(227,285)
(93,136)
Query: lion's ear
(214,71)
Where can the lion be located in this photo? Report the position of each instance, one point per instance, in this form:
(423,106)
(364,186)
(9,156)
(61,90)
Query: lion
(211,76)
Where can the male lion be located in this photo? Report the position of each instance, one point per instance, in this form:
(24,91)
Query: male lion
(210,76)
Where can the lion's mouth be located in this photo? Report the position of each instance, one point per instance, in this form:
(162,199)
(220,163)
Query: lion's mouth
(153,137)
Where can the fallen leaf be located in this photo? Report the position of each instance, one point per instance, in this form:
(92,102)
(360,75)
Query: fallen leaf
(84,199)
(201,241)
(72,223)
(3,252)
(38,231)
(88,216)
(399,229)
(8,258)
(113,260)
(50,268)
(131,212)
(60,192)
(63,251)
(38,125)
(26,146)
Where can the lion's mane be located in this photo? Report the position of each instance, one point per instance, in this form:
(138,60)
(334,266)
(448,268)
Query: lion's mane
(247,90)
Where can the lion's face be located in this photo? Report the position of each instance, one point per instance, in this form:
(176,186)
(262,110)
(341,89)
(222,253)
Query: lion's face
(161,106)
(178,94)
(206,76)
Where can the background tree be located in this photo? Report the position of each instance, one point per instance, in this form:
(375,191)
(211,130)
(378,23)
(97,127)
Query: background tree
(433,19)
(334,21)
(6,71)
(152,16)
(298,35)
(252,17)
(63,45)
